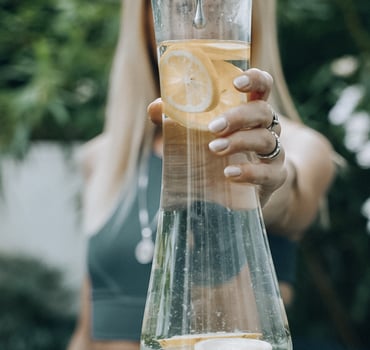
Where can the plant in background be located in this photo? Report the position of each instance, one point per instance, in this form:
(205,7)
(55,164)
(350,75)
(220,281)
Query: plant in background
(36,307)
(326,54)
(55,59)
(54,63)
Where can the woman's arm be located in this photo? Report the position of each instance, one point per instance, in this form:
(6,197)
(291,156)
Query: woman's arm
(310,171)
(80,339)
(292,184)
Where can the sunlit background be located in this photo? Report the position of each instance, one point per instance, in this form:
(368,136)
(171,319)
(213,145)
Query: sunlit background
(55,57)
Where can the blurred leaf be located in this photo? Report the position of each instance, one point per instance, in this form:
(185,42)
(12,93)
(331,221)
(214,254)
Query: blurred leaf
(48,50)
(35,305)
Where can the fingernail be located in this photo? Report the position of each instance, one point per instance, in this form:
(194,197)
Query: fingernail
(218,145)
(217,125)
(241,82)
(232,171)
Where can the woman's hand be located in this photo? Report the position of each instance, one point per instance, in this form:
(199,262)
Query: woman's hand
(250,127)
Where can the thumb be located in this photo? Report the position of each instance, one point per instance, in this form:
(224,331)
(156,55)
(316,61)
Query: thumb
(155,111)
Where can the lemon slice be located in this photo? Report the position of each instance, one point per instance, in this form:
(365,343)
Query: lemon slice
(218,49)
(231,51)
(188,80)
(233,344)
(191,340)
(228,97)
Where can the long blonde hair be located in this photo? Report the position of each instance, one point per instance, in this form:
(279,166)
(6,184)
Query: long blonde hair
(266,55)
(133,85)
(132,88)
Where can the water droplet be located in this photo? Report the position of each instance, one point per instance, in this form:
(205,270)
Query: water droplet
(199,21)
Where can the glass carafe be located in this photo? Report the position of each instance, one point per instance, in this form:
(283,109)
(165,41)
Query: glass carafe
(213,285)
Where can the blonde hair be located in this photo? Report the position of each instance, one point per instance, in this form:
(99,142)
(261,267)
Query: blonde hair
(266,55)
(133,87)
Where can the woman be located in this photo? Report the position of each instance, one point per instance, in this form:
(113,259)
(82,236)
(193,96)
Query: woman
(291,183)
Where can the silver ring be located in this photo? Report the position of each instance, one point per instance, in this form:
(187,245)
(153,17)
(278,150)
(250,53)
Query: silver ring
(275,120)
(276,150)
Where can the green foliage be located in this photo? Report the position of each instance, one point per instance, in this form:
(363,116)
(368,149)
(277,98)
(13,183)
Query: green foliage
(54,63)
(35,306)
(55,57)
(333,284)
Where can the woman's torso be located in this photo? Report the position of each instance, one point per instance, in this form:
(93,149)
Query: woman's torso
(118,281)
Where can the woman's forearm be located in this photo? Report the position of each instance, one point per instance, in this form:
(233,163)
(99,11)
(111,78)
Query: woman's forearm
(310,170)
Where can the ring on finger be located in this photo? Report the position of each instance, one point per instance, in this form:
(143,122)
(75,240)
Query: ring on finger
(275,153)
(275,120)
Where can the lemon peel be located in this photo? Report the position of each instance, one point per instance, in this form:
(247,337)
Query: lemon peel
(197,80)
(188,80)
(191,340)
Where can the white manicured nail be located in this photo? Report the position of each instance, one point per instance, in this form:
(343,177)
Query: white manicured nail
(217,125)
(241,82)
(218,145)
(232,171)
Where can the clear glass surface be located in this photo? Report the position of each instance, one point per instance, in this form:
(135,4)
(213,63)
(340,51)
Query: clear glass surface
(213,284)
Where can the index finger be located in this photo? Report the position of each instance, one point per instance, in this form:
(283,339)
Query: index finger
(256,83)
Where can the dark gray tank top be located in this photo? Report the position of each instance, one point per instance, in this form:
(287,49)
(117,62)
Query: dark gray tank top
(118,281)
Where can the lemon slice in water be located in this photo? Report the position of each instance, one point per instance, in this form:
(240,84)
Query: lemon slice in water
(228,97)
(188,80)
(190,340)
(195,89)
(232,50)
(233,344)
